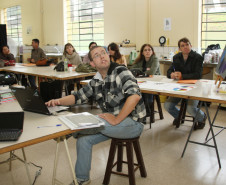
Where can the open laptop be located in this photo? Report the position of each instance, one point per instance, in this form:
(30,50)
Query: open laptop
(11,125)
(30,100)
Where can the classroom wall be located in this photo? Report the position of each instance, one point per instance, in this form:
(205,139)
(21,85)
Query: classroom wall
(140,21)
(185,20)
(31,17)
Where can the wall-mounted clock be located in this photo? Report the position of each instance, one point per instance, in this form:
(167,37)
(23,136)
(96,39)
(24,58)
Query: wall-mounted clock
(162,40)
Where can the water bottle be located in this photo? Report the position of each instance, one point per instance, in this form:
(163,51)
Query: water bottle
(65,65)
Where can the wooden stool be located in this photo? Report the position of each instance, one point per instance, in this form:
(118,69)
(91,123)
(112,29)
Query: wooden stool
(182,113)
(129,144)
(152,117)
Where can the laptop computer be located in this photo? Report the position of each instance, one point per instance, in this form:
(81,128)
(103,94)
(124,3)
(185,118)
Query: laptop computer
(30,100)
(11,125)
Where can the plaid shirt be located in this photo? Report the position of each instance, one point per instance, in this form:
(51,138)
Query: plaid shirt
(112,92)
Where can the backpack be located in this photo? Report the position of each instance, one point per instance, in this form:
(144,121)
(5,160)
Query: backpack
(85,68)
(60,67)
(138,73)
(7,78)
(211,47)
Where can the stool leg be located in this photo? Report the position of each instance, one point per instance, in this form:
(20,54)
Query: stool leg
(152,117)
(159,107)
(183,102)
(110,163)
(129,151)
(184,112)
(120,157)
(140,160)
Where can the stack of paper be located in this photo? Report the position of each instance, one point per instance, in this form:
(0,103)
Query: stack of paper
(81,121)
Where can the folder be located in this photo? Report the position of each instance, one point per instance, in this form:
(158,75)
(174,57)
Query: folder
(187,81)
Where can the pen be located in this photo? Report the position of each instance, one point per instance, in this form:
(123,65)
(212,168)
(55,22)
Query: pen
(58,125)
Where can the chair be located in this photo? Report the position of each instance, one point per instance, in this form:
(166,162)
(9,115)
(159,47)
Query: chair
(182,114)
(152,108)
(129,144)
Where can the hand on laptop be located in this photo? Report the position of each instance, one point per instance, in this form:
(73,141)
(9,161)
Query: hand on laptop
(52,103)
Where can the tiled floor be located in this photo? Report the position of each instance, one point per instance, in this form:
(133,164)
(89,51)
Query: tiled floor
(161,147)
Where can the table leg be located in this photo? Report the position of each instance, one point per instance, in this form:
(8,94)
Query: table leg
(212,123)
(192,128)
(211,129)
(70,162)
(54,179)
(55,161)
(26,166)
(204,144)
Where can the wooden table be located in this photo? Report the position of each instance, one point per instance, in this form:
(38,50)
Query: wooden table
(32,135)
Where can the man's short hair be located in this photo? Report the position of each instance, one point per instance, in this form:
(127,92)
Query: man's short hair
(36,41)
(89,54)
(185,40)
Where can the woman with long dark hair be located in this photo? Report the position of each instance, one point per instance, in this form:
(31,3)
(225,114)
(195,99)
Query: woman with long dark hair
(71,55)
(115,55)
(147,61)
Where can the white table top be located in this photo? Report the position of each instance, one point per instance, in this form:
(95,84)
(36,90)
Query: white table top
(45,71)
(196,93)
(31,134)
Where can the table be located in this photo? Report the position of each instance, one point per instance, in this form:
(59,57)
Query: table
(47,72)
(32,135)
(194,94)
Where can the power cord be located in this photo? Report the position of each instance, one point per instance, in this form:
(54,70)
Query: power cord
(38,173)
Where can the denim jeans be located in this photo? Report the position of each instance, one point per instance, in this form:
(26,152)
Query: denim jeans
(128,128)
(170,106)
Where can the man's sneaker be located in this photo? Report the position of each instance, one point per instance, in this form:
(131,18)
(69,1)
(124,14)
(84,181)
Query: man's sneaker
(201,125)
(81,182)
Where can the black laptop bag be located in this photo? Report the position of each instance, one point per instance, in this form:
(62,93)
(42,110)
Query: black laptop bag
(51,90)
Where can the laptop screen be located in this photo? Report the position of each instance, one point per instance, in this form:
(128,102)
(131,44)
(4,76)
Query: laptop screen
(11,120)
(30,100)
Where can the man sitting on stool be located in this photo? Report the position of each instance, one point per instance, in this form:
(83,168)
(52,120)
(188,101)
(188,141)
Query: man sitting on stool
(186,65)
(116,91)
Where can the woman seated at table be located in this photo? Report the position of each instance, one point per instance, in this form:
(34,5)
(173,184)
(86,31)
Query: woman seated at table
(148,63)
(86,59)
(73,59)
(6,56)
(115,55)
(71,55)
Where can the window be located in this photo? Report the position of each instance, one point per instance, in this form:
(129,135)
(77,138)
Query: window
(213,23)
(84,22)
(12,19)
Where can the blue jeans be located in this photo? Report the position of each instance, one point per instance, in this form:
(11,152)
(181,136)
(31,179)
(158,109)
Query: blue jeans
(170,106)
(128,128)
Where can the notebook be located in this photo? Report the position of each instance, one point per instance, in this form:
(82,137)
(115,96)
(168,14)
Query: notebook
(30,100)
(81,120)
(11,125)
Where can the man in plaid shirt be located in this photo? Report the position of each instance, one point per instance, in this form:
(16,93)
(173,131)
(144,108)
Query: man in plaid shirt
(116,91)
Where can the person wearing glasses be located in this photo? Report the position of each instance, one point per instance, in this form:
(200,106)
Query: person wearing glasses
(186,65)
(116,91)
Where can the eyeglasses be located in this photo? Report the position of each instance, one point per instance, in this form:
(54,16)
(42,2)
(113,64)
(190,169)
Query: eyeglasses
(98,55)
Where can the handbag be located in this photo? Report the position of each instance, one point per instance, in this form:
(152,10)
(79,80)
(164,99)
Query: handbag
(60,67)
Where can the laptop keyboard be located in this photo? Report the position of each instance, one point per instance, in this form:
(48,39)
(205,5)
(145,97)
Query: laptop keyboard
(9,135)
